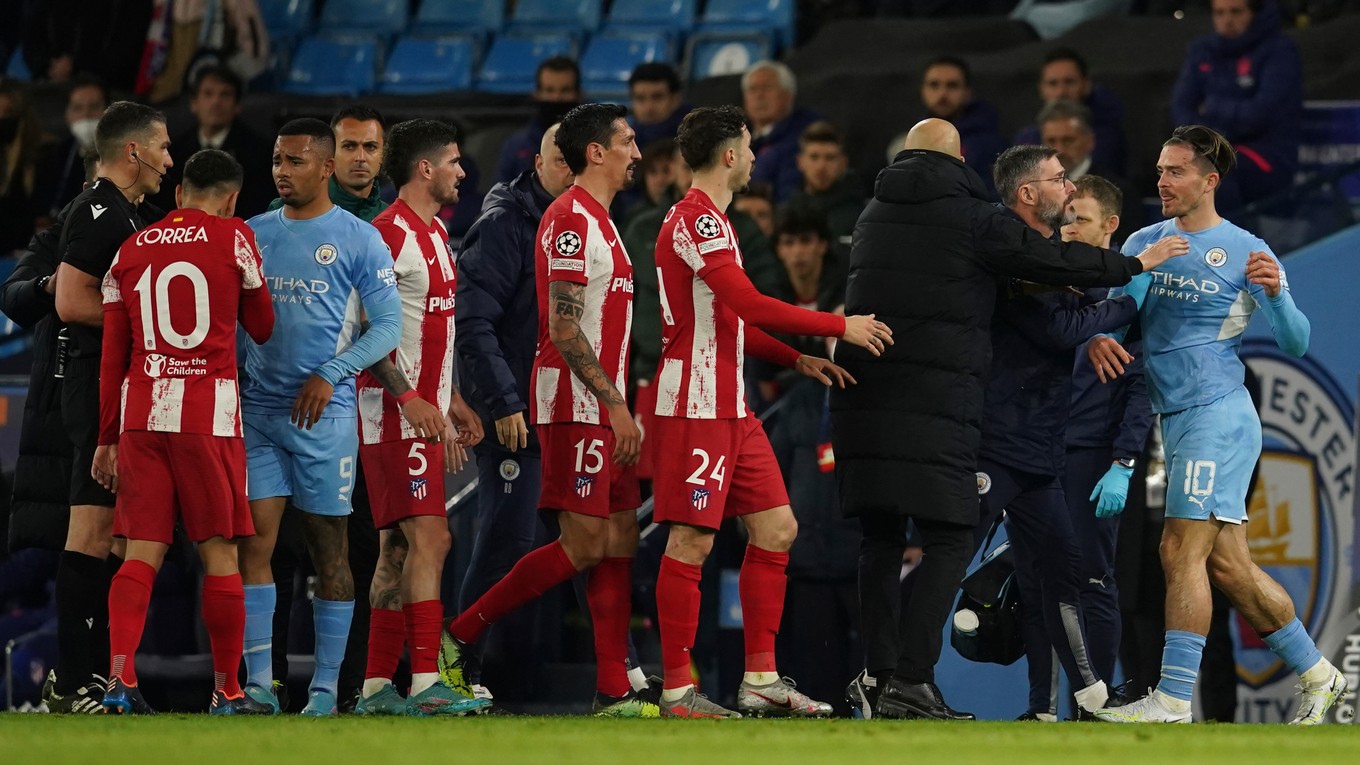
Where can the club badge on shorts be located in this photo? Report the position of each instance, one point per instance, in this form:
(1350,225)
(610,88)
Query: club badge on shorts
(419,487)
(583,485)
(699,498)
(984,483)
(1216,257)
(509,470)
(326,254)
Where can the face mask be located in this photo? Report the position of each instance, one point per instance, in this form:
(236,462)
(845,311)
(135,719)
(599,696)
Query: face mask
(9,128)
(550,112)
(83,130)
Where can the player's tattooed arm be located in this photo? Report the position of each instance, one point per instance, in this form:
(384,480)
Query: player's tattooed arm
(390,377)
(385,592)
(566,306)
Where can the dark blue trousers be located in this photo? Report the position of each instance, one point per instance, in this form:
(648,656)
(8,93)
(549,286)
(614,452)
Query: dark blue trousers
(1048,563)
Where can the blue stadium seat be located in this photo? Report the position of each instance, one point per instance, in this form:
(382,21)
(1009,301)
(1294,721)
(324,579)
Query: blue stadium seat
(374,17)
(749,15)
(327,65)
(609,59)
(718,53)
(675,16)
(557,16)
(287,19)
(475,17)
(510,65)
(420,65)
(18,68)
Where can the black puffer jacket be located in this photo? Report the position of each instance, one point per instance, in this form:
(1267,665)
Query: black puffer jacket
(42,472)
(925,256)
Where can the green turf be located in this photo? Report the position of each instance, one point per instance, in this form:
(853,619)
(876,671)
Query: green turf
(200,740)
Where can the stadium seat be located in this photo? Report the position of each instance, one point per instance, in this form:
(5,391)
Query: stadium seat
(1052,18)
(510,64)
(17,68)
(465,17)
(715,54)
(420,65)
(775,16)
(327,65)
(374,17)
(609,59)
(674,16)
(579,16)
(287,19)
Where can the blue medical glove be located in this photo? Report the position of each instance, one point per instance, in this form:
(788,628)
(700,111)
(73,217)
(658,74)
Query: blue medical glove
(1112,491)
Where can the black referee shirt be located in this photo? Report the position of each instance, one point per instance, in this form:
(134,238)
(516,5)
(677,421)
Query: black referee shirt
(98,221)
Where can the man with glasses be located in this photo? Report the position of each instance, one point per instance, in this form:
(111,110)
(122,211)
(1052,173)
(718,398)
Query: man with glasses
(1035,333)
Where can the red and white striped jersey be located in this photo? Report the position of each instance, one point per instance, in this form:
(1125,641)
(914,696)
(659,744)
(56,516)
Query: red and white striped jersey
(578,243)
(172,298)
(702,340)
(426,283)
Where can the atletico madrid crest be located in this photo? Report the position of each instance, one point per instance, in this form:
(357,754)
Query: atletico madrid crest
(699,498)
(583,485)
(419,488)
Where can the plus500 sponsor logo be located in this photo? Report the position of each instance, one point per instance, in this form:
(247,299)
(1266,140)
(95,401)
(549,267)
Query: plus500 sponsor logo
(622,284)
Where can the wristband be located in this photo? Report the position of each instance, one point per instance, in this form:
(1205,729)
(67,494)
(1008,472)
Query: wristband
(407,396)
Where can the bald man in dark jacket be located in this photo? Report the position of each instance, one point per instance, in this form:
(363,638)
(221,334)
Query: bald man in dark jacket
(924,259)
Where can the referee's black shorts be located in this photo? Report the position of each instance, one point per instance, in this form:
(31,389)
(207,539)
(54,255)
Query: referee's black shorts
(80,414)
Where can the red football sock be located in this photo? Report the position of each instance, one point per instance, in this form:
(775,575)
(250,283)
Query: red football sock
(386,636)
(677,608)
(224,614)
(610,595)
(535,574)
(762,588)
(422,634)
(129,595)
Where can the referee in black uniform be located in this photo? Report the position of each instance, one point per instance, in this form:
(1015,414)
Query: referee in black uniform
(134,153)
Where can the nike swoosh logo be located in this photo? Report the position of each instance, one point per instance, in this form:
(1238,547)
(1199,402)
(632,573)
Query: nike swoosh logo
(611,244)
(432,261)
(785,703)
(97,210)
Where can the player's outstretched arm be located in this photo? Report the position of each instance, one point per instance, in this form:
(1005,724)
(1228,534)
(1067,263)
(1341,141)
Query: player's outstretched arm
(566,306)
(1290,327)
(425,418)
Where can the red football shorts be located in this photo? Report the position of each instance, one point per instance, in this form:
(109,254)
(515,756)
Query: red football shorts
(708,470)
(197,478)
(579,474)
(405,479)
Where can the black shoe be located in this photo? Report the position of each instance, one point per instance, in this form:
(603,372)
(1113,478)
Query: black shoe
(1119,696)
(1038,717)
(85,700)
(901,700)
(652,693)
(123,699)
(861,696)
(348,700)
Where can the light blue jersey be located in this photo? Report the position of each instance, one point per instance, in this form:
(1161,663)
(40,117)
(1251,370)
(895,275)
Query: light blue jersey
(320,272)
(1196,308)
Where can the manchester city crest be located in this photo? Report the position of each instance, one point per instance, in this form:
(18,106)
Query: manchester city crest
(509,470)
(326,254)
(1216,257)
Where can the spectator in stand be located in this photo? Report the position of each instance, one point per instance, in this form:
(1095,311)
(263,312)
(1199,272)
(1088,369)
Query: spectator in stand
(768,91)
(819,640)
(216,106)
(1245,80)
(1064,76)
(69,37)
(20,142)
(651,182)
(557,88)
(947,93)
(757,203)
(827,181)
(1065,126)
(654,94)
(61,166)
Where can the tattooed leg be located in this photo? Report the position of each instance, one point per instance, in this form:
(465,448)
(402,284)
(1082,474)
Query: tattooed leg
(385,592)
(329,546)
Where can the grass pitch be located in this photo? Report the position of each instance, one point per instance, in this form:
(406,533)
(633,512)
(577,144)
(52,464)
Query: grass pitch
(200,740)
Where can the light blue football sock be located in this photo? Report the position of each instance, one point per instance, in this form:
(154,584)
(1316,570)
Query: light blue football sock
(259,634)
(1180,664)
(1292,644)
(332,618)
